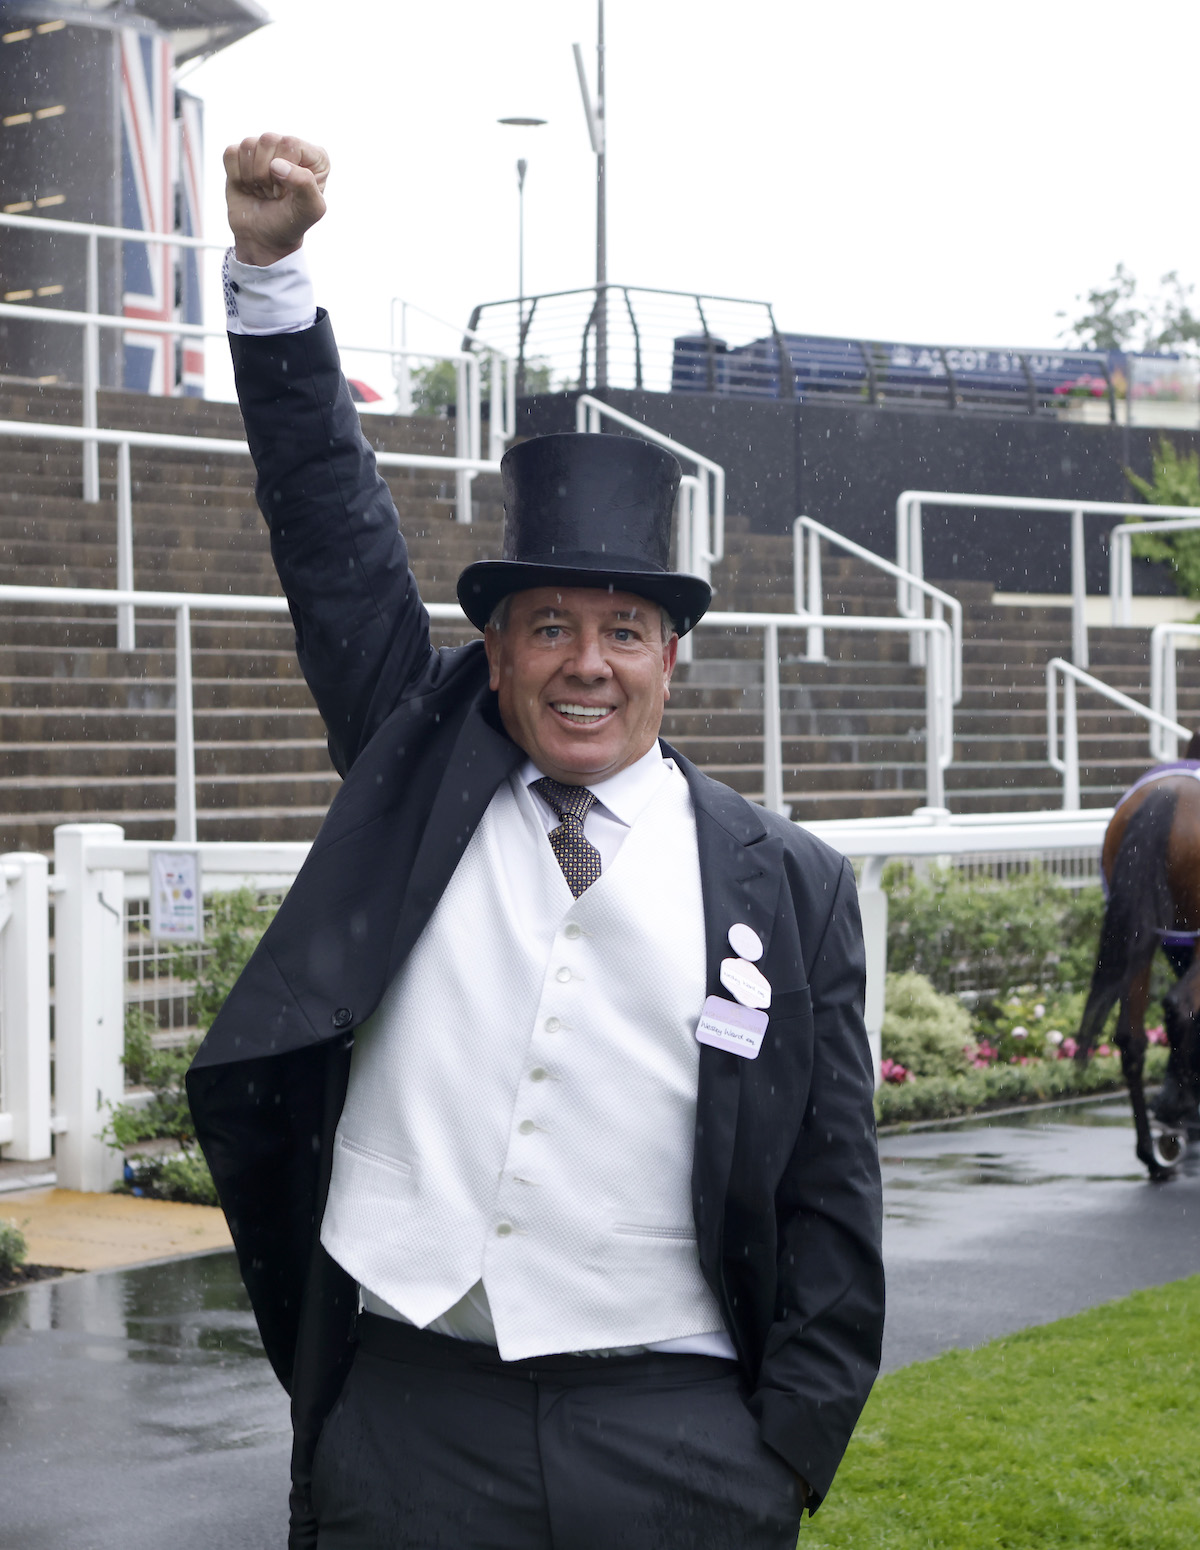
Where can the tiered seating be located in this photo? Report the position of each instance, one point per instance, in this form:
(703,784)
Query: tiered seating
(88,732)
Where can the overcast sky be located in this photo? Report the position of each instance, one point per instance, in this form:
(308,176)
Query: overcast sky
(927,171)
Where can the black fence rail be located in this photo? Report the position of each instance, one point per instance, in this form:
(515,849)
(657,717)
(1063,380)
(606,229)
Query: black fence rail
(629,336)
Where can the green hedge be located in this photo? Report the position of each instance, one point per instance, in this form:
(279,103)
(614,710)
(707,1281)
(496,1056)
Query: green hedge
(999,1087)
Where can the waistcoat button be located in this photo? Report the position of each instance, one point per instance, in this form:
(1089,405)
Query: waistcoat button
(342,1018)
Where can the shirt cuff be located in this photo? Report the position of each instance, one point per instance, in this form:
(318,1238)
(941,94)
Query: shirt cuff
(277,299)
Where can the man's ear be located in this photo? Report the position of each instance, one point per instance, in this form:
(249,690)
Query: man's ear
(670,652)
(491,644)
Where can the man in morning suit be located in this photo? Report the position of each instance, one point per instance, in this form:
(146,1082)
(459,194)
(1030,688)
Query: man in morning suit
(542,1113)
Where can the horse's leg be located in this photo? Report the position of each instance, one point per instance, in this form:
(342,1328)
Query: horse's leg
(1181,1008)
(1130,1039)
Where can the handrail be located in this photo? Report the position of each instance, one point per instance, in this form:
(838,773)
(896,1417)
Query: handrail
(37,431)
(1068,765)
(910,556)
(468,443)
(173,239)
(707,540)
(1120,557)
(1163,687)
(939,732)
(807,588)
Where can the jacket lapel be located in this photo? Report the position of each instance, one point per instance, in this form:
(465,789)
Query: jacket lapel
(482,757)
(740,878)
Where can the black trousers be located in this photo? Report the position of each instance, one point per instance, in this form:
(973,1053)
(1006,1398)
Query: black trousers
(437,1442)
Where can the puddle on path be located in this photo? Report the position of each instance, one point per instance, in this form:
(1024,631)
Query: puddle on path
(137,1409)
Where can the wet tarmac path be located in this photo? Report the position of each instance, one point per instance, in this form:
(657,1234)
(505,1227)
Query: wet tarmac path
(137,1410)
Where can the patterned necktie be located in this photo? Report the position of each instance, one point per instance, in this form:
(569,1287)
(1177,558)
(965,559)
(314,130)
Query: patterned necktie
(579,859)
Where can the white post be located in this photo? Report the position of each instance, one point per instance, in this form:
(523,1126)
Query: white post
(510,397)
(815,636)
(685,502)
(1070,747)
(476,391)
(915,608)
(401,371)
(89,1021)
(702,529)
(1127,580)
(125,616)
(935,785)
(772,724)
(497,409)
(462,442)
(185,730)
(91,373)
(1079,639)
(798,593)
(1168,743)
(25,1005)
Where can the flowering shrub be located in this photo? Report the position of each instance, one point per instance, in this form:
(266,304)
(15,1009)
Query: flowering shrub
(987,935)
(1083,387)
(893,1071)
(925,1033)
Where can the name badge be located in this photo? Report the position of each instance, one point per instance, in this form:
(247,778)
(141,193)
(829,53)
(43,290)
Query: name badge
(728,1026)
(745,983)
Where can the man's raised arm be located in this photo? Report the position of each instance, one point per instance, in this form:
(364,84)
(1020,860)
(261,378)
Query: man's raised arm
(362,634)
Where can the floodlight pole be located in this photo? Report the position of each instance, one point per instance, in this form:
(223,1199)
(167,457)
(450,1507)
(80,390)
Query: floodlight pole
(595,116)
(522,168)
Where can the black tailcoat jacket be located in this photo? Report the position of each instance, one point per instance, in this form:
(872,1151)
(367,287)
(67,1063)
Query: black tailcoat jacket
(785,1176)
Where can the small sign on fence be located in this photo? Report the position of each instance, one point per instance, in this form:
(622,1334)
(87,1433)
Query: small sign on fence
(176,901)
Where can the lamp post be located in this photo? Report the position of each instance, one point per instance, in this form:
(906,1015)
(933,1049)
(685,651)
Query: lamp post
(522,169)
(595,113)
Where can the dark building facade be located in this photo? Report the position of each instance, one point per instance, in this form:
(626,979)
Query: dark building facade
(95,130)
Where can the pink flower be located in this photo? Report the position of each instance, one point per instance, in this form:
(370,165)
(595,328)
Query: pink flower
(1156,1035)
(1068,1049)
(893,1071)
(1104,1049)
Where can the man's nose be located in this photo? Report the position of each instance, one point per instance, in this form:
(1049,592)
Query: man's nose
(589,661)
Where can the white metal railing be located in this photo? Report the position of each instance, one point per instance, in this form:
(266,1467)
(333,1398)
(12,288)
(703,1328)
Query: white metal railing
(808,591)
(1164,643)
(468,417)
(1068,764)
(925,836)
(702,520)
(123,440)
(1120,557)
(939,711)
(910,553)
(96,872)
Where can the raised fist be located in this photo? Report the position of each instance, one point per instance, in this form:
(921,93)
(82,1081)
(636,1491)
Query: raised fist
(273,191)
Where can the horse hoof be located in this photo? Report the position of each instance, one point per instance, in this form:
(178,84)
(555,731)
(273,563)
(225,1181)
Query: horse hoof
(1168,1146)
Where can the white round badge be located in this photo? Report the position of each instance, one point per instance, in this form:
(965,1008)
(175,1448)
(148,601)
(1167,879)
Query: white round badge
(745,984)
(745,942)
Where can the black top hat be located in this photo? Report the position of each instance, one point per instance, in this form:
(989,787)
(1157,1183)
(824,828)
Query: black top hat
(587,511)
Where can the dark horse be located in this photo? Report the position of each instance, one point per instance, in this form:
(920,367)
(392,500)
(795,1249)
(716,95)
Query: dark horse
(1151,863)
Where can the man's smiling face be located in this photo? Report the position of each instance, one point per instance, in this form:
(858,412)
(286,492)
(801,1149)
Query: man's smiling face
(582,675)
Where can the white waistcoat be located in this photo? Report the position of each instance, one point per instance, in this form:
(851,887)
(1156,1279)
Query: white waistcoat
(521,1106)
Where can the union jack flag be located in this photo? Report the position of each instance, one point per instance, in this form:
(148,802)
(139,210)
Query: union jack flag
(191,308)
(148,204)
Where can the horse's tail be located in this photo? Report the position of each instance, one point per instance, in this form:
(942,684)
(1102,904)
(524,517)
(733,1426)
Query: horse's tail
(1139,902)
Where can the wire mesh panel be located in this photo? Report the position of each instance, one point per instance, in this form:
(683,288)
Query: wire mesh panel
(162,978)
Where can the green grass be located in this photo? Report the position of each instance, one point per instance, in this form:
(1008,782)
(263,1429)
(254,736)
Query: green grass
(1084,1432)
